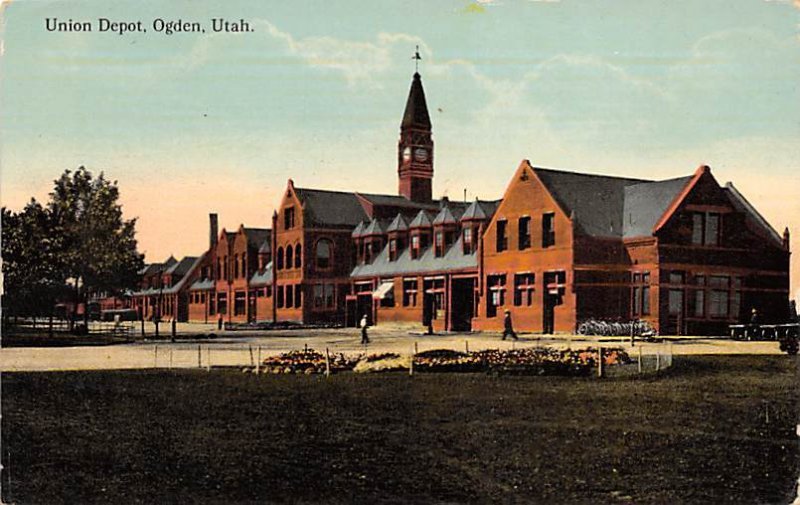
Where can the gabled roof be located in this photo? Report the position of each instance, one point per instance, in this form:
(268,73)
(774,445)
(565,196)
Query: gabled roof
(178,286)
(416,113)
(594,202)
(422,220)
(266,246)
(395,201)
(330,208)
(256,237)
(741,204)
(645,203)
(375,227)
(399,223)
(181,267)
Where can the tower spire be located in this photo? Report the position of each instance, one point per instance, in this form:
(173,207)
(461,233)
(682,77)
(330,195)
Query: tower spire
(415,147)
(416,59)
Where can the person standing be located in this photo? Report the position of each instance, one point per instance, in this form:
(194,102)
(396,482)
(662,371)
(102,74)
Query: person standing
(364,324)
(508,327)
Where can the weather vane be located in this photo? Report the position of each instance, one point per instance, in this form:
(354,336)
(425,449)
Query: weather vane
(416,57)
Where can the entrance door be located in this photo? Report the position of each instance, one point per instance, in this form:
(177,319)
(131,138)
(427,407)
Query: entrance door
(463,304)
(364,306)
(550,302)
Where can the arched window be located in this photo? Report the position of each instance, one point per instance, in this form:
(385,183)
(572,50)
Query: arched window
(279,260)
(298,256)
(324,253)
(289,256)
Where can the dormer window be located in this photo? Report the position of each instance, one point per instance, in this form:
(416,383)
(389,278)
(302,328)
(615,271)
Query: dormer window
(467,242)
(393,249)
(415,246)
(439,243)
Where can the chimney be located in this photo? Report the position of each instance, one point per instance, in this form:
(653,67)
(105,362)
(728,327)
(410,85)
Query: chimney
(213,230)
(786,238)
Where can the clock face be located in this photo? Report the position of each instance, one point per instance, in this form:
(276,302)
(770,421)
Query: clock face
(406,154)
(421,154)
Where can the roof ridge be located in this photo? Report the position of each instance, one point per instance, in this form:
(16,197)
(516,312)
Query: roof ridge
(584,174)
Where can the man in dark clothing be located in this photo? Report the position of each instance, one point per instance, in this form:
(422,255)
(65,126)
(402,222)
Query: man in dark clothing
(508,327)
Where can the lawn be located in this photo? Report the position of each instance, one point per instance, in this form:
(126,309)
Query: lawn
(709,430)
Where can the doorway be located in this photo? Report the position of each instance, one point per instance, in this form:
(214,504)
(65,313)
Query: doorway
(463,304)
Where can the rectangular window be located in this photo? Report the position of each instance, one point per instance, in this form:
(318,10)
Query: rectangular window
(392,249)
(279,296)
(675,302)
(298,296)
(467,242)
(502,238)
(718,295)
(712,229)
(319,296)
(640,294)
(236,266)
(288,218)
(548,229)
(222,303)
(524,232)
(289,296)
(524,285)
(329,296)
(409,293)
(239,303)
(497,294)
(697,228)
(415,247)
(439,243)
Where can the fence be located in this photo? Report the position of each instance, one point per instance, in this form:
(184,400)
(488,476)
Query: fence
(52,326)
(643,358)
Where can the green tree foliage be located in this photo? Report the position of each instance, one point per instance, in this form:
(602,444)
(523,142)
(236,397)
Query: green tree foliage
(78,239)
(32,270)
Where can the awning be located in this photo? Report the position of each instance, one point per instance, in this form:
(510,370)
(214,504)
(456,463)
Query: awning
(384,289)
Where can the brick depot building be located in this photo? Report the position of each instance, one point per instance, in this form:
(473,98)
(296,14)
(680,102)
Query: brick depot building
(686,254)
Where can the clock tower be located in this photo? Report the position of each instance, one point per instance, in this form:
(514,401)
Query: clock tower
(415,147)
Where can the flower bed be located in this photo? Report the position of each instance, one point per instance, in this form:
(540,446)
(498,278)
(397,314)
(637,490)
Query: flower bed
(535,361)
(307,362)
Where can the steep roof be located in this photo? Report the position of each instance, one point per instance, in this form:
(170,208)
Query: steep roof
(256,237)
(181,267)
(416,113)
(446,216)
(262,278)
(646,202)
(375,227)
(399,223)
(743,205)
(480,210)
(421,220)
(266,246)
(331,208)
(453,260)
(395,201)
(595,202)
(358,231)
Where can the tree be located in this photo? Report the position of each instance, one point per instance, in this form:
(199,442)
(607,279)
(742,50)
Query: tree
(32,271)
(79,238)
(97,247)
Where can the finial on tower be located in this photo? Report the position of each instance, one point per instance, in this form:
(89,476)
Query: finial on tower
(416,59)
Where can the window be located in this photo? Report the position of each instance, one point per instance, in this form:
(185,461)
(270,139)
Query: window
(718,295)
(289,256)
(434,292)
(502,238)
(279,296)
(675,296)
(236,266)
(439,243)
(524,232)
(497,294)
(329,296)
(415,246)
(548,229)
(323,253)
(409,292)
(700,296)
(222,303)
(392,249)
(279,259)
(524,285)
(288,218)
(289,297)
(467,242)
(219,268)
(239,303)
(298,296)
(640,299)
(706,228)
(298,256)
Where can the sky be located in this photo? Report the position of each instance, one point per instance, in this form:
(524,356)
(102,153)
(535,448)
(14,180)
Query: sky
(192,123)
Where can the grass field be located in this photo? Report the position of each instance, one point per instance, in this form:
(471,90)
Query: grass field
(709,430)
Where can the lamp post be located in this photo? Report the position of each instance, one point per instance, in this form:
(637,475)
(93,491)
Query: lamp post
(157,314)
